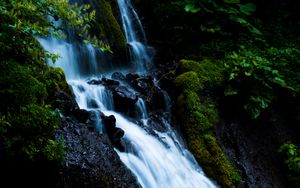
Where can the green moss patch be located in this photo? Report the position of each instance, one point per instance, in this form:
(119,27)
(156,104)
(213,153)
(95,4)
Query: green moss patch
(209,72)
(199,115)
(189,81)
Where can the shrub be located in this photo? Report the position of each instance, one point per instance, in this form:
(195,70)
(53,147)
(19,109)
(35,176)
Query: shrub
(291,160)
(30,133)
(18,86)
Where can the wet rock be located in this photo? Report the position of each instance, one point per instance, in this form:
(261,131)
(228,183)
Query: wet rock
(95,82)
(157,122)
(149,90)
(109,82)
(131,76)
(64,102)
(143,84)
(92,104)
(114,133)
(156,99)
(90,160)
(253,149)
(81,115)
(118,76)
(124,98)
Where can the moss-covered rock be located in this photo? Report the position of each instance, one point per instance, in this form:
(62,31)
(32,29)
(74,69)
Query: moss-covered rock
(209,72)
(54,79)
(198,115)
(189,81)
(212,159)
(106,25)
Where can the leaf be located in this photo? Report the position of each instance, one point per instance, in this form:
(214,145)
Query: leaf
(241,20)
(232,1)
(191,8)
(248,8)
(255,30)
(230,91)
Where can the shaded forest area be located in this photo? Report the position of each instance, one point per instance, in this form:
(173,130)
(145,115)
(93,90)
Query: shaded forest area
(231,67)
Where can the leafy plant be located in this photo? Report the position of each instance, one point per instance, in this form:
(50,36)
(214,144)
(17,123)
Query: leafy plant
(21,20)
(230,9)
(255,76)
(291,160)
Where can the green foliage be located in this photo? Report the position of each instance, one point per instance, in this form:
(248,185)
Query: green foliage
(27,124)
(291,159)
(231,10)
(30,133)
(256,75)
(54,79)
(19,86)
(21,20)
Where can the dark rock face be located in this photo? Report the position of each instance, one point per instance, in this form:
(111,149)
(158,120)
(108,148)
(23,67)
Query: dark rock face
(64,102)
(118,76)
(90,160)
(148,89)
(124,98)
(253,149)
(114,133)
(109,82)
(95,82)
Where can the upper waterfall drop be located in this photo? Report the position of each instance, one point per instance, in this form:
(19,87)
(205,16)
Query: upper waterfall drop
(140,54)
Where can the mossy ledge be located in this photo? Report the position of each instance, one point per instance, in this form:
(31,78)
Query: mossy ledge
(197,117)
(106,25)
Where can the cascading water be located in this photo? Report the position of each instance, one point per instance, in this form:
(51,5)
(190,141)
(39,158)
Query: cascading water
(139,52)
(157,158)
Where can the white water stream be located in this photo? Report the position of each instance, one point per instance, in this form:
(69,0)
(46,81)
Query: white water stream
(160,161)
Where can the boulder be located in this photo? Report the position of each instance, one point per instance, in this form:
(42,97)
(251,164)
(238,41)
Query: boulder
(95,82)
(90,160)
(109,82)
(63,101)
(124,98)
(131,76)
(114,133)
(118,76)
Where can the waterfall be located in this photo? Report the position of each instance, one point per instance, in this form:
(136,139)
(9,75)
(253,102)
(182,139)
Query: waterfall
(139,52)
(157,158)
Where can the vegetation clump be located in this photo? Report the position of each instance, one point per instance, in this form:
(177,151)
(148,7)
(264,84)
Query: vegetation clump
(27,121)
(290,156)
(197,118)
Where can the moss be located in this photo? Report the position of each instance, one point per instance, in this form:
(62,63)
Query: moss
(106,26)
(188,81)
(197,117)
(209,72)
(18,86)
(212,159)
(54,79)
